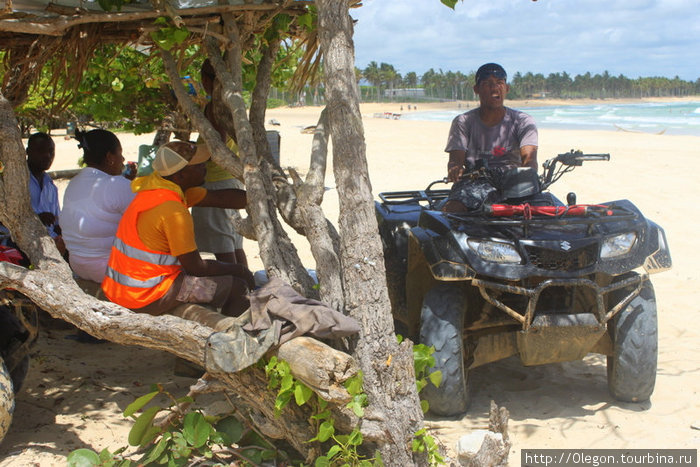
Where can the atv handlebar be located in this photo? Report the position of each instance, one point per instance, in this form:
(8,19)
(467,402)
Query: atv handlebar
(568,161)
(577,158)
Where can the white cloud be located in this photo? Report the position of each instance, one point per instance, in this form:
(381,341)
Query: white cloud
(630,37)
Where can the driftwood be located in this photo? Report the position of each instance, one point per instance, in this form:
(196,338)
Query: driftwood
(320,367)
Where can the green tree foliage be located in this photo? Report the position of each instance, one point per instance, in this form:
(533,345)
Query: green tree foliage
(458,86)
(127,87)
(123,85)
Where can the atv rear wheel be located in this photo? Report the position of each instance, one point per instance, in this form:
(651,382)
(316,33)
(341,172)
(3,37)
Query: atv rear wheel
(632,367)
(442,324)
(7,400)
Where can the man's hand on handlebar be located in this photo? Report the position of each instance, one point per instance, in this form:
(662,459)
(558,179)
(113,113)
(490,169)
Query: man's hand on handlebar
(455,166)
(454,172)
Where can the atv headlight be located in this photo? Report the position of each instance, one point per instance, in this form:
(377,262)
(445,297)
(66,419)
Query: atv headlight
(497,252)
(618,245)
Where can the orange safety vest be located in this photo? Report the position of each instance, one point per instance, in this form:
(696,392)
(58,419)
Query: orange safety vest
(137,275)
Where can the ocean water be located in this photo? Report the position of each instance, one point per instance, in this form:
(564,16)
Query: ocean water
(658,117)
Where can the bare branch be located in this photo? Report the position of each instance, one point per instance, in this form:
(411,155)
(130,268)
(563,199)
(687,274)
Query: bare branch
(221,154)
(75,17)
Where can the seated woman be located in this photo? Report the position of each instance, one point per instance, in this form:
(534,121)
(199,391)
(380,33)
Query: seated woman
(94,202)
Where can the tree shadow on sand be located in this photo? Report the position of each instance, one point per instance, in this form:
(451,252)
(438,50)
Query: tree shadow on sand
(75,393)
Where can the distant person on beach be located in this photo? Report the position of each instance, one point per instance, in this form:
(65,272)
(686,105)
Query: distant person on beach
(94,202)
(498,136)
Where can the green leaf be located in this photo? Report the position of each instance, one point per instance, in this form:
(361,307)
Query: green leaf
(436,378)
(354,384)
(157,450)
(282,400)
(253,454)
(139,403)
(117,85)
(141,426)
(322,461)
(195,429)
(183,399)
(355,438)
(106,457)
(306,21)
(356,408)
(232,427)
(335,449)
(287,382)
(424,406)
(378,461)
(302,394)
(322,415)
(325,431)
(83,458)
(449,3)
(150,435)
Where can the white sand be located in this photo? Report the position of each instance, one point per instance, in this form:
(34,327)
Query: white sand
(67,405)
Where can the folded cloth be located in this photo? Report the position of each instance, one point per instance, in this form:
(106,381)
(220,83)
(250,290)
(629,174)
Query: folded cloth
(277,304)
(277,314)
(234,349)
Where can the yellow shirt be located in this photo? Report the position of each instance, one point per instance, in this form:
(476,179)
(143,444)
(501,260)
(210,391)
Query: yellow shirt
(168,227)
(214,172)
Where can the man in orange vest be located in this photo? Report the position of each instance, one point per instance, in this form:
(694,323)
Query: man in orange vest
(155,265)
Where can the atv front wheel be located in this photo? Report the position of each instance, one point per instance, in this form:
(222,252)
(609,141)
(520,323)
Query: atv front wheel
(442,324)
(632,367)
(7,400)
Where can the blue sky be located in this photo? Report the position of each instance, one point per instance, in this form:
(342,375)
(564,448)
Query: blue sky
(630,37)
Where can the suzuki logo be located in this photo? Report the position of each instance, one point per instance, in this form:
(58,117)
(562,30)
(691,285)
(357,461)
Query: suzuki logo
(566,246)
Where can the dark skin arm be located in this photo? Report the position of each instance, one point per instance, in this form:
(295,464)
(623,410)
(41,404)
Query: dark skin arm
(528,154)
(194,265)
(231,198)
(47,218)
(455,166)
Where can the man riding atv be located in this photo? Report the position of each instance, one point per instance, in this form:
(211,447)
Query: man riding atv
(492,135)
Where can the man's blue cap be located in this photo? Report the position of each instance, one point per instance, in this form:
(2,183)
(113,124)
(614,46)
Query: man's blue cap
(490,69)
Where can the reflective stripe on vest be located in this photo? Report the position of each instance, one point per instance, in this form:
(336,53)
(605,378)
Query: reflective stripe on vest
(154,258)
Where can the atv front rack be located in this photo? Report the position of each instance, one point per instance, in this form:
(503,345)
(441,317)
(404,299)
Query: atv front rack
(525,317)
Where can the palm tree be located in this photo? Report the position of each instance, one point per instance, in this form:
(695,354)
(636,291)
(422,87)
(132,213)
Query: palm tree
(373,75)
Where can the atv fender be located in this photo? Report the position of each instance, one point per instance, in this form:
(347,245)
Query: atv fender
(660,260)
(427,264)
(440,255)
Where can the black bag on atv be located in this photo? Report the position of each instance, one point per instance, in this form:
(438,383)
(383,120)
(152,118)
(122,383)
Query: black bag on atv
(482,185)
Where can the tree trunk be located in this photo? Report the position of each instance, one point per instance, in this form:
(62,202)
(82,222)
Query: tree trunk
(277,251)
(322,236)
(394,413)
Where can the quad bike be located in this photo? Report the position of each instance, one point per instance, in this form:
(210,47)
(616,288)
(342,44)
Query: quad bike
(521,273)
(19,328)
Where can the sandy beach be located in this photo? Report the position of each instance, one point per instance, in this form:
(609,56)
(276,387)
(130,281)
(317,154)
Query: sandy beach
(75,393)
